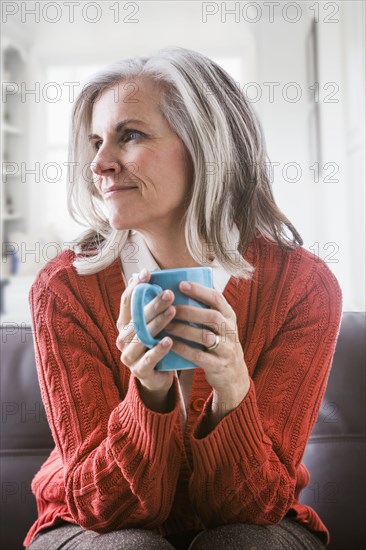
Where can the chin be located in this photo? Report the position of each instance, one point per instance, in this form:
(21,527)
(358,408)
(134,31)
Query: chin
(120,224)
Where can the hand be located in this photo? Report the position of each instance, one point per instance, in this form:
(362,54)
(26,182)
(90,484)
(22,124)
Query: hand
(159,312)
(225,368)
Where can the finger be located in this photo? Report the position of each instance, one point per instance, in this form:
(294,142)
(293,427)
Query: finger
(132,352)
(198,357)
(125,305)
(211,318)
(199,335)
(161,321)
(209,296)
(148,362)
(128,335)
(157,305)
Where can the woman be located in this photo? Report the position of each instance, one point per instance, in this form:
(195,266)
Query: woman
(170,171)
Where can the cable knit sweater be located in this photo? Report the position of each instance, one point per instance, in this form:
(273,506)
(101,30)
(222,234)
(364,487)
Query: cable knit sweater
(117,464)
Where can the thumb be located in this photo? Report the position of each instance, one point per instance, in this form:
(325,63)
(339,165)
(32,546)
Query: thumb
(125,305)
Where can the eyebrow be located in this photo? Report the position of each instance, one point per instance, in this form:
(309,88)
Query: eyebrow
(119,126)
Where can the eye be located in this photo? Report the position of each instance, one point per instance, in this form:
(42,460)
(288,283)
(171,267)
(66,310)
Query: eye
(132,135)
(97,145)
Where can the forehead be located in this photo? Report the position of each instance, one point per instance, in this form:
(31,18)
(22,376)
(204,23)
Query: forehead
(127,99)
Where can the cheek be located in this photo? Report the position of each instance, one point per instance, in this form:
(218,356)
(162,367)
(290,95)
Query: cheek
(97,182)
(167,167)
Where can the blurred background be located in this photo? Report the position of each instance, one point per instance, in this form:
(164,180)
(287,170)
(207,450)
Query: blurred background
(300,64)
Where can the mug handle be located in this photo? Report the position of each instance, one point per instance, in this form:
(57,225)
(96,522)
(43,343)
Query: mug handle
(141,295)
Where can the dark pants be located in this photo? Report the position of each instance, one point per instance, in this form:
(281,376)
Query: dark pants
(287,535)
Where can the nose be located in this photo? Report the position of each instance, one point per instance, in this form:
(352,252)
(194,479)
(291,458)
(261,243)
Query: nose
(103,168)
(106,164)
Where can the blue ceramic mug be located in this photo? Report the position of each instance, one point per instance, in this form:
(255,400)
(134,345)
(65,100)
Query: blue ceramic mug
(162,280)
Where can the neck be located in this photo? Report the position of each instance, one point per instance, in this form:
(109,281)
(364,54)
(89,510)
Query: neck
(169,248)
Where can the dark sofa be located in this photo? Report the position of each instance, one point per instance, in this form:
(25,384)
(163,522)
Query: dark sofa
(335,454)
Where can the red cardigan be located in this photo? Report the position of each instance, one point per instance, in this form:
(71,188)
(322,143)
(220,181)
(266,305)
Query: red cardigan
(117,464)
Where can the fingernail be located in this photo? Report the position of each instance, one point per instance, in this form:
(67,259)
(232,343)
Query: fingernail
(166,341)
(185,286)
(143,275)
(165,295)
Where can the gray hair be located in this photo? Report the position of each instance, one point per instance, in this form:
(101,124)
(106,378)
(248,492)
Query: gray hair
(205,107)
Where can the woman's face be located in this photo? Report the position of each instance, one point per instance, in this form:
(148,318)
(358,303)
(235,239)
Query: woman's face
(140,167)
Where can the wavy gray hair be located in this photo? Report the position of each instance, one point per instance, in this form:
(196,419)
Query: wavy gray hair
(222,135)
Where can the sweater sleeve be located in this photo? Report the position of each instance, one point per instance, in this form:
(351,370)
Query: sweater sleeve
(245,469)
(120,459)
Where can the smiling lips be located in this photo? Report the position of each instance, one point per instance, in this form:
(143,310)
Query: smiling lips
(116,189)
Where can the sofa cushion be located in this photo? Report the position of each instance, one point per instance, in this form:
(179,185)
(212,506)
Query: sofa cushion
(18,505)
(26,439)
(335,453)
(23,420)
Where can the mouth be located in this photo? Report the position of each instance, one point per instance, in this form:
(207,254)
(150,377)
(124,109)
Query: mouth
(115,189)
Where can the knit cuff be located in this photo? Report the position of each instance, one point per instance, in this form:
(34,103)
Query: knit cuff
(238,437)
(145,430)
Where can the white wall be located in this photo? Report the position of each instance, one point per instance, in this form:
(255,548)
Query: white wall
(328,214)
(353,78)
(282,78)
(160,24)
(270,52)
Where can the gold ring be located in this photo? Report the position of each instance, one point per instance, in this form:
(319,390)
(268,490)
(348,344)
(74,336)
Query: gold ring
(215,344)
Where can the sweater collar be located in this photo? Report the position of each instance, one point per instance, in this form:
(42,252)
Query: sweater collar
(132,264)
